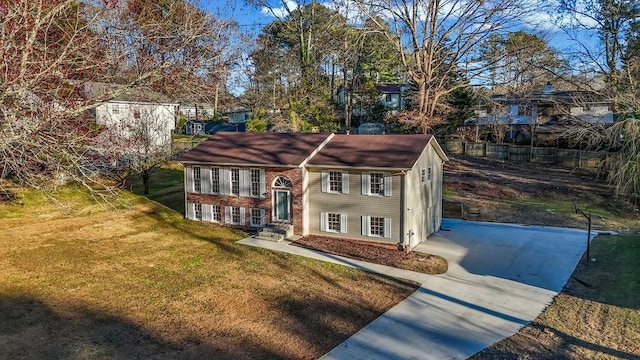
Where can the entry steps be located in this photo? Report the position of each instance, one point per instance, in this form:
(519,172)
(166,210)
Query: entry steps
(275,232)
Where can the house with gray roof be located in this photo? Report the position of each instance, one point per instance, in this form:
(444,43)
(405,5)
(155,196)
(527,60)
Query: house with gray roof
(381,188)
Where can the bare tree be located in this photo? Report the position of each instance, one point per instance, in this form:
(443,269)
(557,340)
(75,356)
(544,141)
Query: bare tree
(50,48)
(436,41)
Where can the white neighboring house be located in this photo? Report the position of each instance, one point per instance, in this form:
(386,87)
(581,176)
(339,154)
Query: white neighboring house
(134,111)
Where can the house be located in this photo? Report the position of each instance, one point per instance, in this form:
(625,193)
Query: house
(548,111)
(391,96)
(131,111)
(385,188)
(239,115)
(196,111)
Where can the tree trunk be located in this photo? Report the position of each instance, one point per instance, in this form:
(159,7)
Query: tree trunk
(145,181)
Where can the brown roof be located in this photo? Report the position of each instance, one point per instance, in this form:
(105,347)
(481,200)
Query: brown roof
(254,148)
(375,151)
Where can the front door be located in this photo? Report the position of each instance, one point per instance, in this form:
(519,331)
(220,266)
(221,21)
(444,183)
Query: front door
(282,205)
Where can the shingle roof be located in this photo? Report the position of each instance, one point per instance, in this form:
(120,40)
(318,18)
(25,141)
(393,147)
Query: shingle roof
(375,151)
(254,148)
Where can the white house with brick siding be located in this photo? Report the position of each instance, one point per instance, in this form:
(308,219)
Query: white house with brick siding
(384,188)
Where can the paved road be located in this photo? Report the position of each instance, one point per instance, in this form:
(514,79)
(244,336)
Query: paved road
(500,278)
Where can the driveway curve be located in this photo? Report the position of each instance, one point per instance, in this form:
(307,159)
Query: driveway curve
(500,278)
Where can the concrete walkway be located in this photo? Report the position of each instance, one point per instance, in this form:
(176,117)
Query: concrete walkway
(500,278)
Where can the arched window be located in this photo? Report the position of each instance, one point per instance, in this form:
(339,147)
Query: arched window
(282,182)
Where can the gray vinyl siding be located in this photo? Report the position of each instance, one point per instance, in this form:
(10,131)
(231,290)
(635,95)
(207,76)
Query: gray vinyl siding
(354,205)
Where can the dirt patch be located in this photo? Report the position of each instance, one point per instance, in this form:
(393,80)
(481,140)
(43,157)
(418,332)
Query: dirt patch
(378,253)
(532,194)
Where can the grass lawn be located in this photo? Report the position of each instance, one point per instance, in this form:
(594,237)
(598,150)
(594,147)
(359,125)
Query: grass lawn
(89,281)
(597,315)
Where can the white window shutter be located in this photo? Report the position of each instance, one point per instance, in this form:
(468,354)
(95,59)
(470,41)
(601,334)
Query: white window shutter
(225,181)
(263,187)
(191,209)
(189,172)
(343,223)
(245,181)
(207,212)
(262,219)
(345,182)
(388,181)
(387,227)
(325,181)
(363,225)
(323,221)
(366,187)
(205,182)
(227,214)
(243,221)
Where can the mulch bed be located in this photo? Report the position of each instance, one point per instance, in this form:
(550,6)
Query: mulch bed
(379,253)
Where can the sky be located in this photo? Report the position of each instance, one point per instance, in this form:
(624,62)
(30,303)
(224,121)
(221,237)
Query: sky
(251,19)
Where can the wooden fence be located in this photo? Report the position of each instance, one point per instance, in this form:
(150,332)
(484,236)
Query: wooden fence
(592,160)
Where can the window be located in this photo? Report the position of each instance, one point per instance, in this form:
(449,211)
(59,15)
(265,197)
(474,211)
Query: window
(524,110)
(136,113)
(215,213)
(197,211)
(215,180)
(235,182)
(388,98)
(376,226)
(115,109)
(257,217)
(254,175)
(376,183)
(196,179)
(429,173)
(333,222)
(423,176)
(335,181)
(234,215)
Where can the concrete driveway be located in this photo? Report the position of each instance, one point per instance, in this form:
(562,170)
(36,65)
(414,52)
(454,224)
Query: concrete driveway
(500,278)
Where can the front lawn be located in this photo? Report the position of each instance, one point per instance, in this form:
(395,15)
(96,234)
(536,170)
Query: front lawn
(91,281)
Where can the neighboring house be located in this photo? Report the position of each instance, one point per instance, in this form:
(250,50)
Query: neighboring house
(239,115)
(391,96)
(196,111)
(547,111)
(385,188)
(133,110)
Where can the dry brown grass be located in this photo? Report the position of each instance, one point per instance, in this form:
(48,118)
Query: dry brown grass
(89,281)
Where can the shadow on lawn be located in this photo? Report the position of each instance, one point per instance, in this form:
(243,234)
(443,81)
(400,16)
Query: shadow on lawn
(31,329)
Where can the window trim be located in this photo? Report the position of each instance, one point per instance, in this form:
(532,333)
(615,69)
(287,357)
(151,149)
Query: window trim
(232,182)
(366,227)
(386,185)
(324,223)
(326,182)
(261,217)
(197,180)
